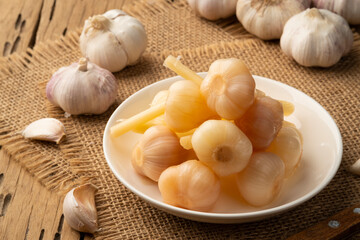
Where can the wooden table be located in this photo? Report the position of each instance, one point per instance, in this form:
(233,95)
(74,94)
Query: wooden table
(27,209)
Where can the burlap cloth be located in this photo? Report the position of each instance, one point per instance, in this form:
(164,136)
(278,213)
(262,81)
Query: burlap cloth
(172,29)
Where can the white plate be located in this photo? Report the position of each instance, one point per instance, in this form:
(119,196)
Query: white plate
(320,161)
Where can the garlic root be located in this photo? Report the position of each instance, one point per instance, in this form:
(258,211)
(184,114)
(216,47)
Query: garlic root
(45,129)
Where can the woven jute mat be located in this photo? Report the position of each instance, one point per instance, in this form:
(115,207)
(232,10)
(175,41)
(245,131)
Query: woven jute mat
(80,158)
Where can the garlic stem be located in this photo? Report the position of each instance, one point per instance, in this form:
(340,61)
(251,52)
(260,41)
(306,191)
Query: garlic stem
(82,65)
(315,13)
(174,64)
(99,22)
(136,120)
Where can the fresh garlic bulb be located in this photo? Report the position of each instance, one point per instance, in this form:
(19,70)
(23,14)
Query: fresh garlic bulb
(266,18)
(45,129)
(288,146)
(82,88)
(158,149)
(316,37)
(213,9)
(113,40)
(185,107)
(80,210)
(261,181)
(262,122)
(349,9)
(229,88)
(190,185)
(222,146)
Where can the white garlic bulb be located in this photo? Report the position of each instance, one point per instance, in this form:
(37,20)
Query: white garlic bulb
(213,9)
(45,129)
(113,40)
(349,9)
(266,18)
(82,88)
(80,210)
(316,37)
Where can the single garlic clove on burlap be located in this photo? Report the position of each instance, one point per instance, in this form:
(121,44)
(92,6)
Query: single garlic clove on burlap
(80,210)
(82,88)
(349,9)
(266,18)
(113,40)
(45,129)
(355,168)
(213,9)
(316,37)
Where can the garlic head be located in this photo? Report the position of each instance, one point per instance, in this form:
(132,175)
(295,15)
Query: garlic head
(80,210)
(113,40)
(229,88)
(158,149)
(266,18)
(190,185)
(213,9)
(349,9)
(222,146)
(45,129)
(82,88)
(316,37)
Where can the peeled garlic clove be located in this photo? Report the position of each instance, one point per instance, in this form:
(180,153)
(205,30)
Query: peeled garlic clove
(222,146)
(316,37)
(262,122)
(80,210)
(45,129)
(261,181)
(229,88)
(266,18)
(190,185)
(82,88)
(113,40)
(185,107)
(349,9)
(288,146)
(158,149)
(355,168)
(213,9)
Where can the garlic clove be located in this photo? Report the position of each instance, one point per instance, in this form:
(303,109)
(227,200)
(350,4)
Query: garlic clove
(222,146)
(266,18)
(82,88)
(316,37)
(213,9)
(45,129)
(80,210)
(355,167)
(261,181)
(190,185)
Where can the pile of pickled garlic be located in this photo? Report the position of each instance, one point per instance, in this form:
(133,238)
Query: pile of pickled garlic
(202,130)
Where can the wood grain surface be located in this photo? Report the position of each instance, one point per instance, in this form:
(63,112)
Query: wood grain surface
(27,209)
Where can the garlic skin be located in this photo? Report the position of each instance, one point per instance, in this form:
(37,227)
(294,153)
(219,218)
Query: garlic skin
(190,185)
(266,18)
(45,129)
(82,88)
(349,9)
(222,146)
(158,149)
(213,9)
(113,40)
(80,210)
(316,37)
(229,88)
(261,181)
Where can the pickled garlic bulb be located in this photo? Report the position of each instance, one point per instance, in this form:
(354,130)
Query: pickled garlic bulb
(262,121)
(185,107)
(157,149)
(261,181)
(288,146)
(190,185)
(229,88)
(222,146)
